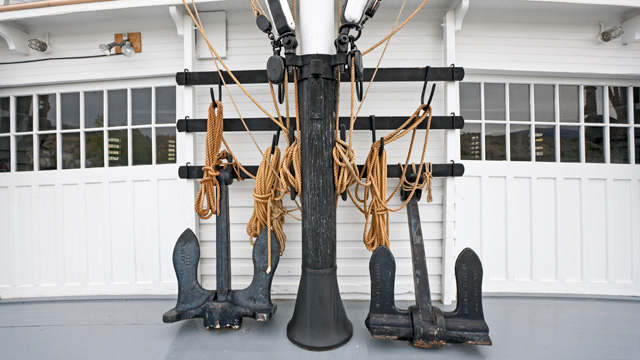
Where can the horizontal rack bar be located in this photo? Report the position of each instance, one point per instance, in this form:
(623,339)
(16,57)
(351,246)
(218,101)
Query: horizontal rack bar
(449,73)
(393,171)
(362,123)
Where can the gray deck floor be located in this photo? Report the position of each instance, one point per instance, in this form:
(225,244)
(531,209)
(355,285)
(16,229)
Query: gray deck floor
(521,328)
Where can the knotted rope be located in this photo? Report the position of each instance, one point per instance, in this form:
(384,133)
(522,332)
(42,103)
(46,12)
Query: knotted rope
(267,206)
(427,177)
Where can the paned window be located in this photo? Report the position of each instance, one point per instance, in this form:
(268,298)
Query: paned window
(550,122)
(88,129)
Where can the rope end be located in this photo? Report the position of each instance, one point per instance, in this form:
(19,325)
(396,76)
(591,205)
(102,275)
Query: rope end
(269,269)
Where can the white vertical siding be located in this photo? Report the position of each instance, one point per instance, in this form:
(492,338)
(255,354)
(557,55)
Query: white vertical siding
(555,227)
(572,234)
(97,231)
(57,243)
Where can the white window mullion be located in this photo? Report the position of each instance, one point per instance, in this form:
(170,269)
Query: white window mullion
(129,123)
(35,118)
(507,116)
(13,152)
(582,132)
(482,127)
(532,117)
(58,131)
(606,143)
(83,149)
(556,115)
(631,131)
(153,125)
(105,127)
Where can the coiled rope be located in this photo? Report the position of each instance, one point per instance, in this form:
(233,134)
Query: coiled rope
(374,200)
(208,200)
(267,205)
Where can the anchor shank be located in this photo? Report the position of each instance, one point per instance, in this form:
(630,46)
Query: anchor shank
(223,265)
(420,275)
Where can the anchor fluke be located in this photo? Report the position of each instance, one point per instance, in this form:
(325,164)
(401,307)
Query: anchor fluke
(466,323)
(186,255)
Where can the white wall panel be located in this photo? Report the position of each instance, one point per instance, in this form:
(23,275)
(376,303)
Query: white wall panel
(24,234)
(97,236)
(518,223)
(5,234)
(620,249)
(570,230)
(167,197)
(543,229)
(595,231)
(494,227)
(73,254)
(122,241)
(47,218)
(145,238)
(577,222)
(635,229)
(95,233)
(161,53)
(560,42)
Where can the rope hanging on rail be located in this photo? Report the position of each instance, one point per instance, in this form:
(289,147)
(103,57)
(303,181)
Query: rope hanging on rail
(427,180)
(267,206)
(208,199)
(373,203)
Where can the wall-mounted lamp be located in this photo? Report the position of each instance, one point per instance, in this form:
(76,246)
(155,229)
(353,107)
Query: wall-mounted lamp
(125,43)
(39,45)
(609,34)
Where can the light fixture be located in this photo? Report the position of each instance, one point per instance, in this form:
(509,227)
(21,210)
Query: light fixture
(126,46)
(127,49)
(39,45)
(609,34)
(106,48)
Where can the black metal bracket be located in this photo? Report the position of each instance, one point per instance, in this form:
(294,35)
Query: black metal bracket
(393,171)
(362,123)
(222,307)
(448,73)
(425,325)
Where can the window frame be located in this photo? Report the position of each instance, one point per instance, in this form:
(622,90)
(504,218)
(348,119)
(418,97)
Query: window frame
(81,89)
(606,125)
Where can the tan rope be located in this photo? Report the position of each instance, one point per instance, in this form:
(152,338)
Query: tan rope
(344,156)
(396,29)
(256,12)
(209,187)
(427,176)
(267,209)
(198,23)
(374,200)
